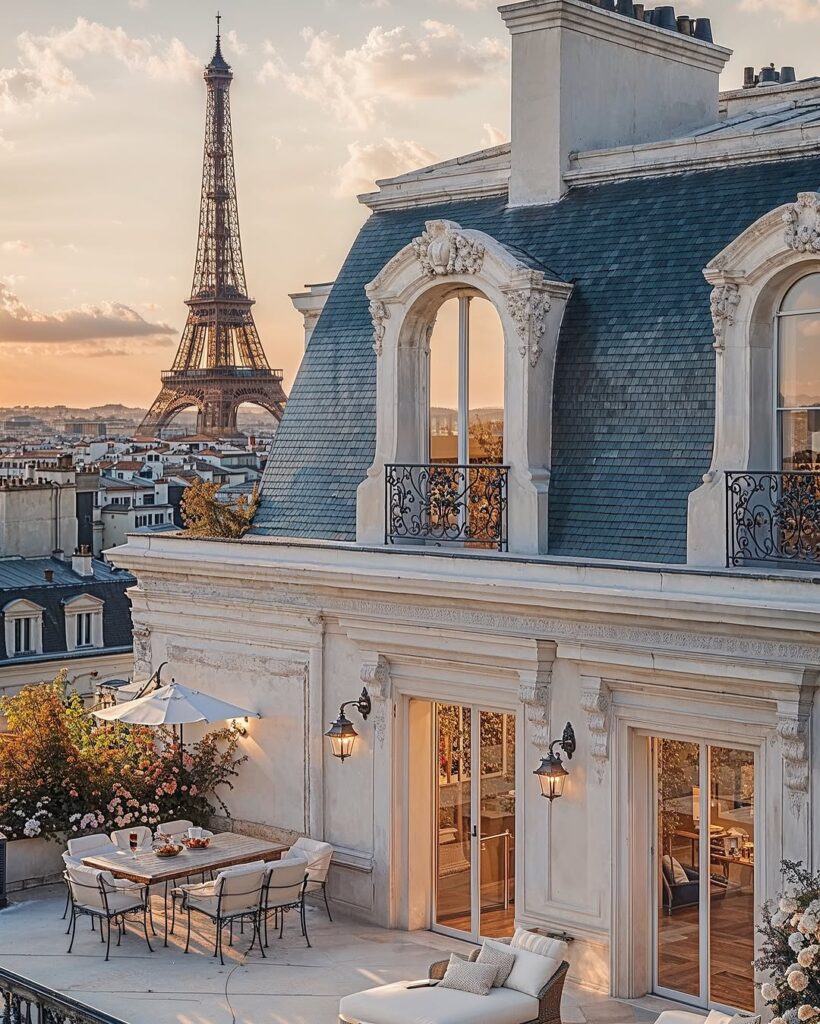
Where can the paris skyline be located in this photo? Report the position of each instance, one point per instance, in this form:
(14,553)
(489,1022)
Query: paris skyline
(101,124)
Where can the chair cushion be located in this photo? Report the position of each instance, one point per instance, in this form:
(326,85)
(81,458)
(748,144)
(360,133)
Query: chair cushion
(469,977)
(673,867)
(123,900)
(395,1004)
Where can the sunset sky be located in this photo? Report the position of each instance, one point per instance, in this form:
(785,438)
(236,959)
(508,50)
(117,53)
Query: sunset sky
(101,126)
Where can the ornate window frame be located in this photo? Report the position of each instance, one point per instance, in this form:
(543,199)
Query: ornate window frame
(21,608)
(447,260)
(80,605)
(749,279)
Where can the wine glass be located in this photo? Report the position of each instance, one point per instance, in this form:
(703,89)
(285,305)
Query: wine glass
(133,842)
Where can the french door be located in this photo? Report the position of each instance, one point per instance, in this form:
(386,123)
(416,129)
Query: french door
(474,807)
(704,873)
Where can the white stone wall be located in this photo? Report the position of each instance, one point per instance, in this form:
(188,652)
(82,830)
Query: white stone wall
(293,630)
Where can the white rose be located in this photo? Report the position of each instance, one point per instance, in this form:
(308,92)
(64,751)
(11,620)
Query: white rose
(806,956)
(805,1012)
(797,981)
(787,904)
(768,991)
(796,941)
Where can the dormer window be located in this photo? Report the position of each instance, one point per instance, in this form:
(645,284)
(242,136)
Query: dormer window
(798,376)
(23,626)
(83,622)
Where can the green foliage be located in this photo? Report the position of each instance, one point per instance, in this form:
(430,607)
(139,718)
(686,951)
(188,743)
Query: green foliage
(63,774)
(205,515)
(790,953)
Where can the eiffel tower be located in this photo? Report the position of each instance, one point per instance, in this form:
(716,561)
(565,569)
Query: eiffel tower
(220,362)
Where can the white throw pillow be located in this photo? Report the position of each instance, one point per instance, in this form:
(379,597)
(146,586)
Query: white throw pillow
(545,945)
(679,876)
(500,956)
(718,1017)
(475,978)
(531,971)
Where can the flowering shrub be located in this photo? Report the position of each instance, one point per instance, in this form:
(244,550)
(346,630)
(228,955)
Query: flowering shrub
(790,952)
(62,774)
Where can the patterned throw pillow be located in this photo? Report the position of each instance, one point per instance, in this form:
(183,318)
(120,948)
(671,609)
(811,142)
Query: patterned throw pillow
(745,1018)
(501,959)
(464,976)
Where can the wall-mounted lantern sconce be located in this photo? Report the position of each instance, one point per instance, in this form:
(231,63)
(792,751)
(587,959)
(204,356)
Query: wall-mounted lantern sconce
(341,734)
(551,772)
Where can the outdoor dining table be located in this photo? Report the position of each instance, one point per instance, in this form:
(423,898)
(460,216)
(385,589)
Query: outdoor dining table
(225,850)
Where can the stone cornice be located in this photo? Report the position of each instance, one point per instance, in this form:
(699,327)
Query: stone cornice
(644,629)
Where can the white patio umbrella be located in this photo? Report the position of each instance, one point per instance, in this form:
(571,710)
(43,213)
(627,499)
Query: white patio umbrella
(173,705)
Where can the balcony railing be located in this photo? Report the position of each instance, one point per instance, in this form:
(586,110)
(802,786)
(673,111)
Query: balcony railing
(25,1002)
(219,371)
(773,517)
(443,504)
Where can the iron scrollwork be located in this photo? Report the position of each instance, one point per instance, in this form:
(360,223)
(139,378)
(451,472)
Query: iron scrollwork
(447,504)
(23,1001)
(773,517)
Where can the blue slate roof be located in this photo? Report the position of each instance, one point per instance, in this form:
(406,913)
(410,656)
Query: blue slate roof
(25,578)
(633,407)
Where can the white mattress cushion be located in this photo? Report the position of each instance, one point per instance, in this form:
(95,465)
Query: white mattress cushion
(395,1004)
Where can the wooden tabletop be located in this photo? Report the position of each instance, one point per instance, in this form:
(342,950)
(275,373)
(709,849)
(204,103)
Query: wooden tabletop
(225,850)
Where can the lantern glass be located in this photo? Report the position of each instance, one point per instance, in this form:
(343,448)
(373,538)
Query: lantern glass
(342,737)
(551,774)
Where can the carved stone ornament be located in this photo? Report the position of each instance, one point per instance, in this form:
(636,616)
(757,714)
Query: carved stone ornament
(379,314)
(529,309)
(442,249)
(375,674)
(534,694)
(723,302)
(596,702)
(801,220)
(792,731)
(142,651)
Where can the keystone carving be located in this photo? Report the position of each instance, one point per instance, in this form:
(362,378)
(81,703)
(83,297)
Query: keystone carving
(379,314)
(442,249)
(801,220)
(723,302)
(529,309)
(596,703)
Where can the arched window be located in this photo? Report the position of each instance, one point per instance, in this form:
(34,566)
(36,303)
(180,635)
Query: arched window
(466,423)
(798,376)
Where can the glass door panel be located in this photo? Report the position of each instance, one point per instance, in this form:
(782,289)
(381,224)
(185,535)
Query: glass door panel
(732,902)
(454,810)
(497,826)
(678,876)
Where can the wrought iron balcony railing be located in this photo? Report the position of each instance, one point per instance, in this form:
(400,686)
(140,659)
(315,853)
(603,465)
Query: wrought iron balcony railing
(23,1001)
(219,372)
(773,517)
(443,504)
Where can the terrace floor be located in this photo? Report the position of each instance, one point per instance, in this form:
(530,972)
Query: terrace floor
(294,985)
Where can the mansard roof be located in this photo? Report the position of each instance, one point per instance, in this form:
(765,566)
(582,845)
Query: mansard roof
(633,407)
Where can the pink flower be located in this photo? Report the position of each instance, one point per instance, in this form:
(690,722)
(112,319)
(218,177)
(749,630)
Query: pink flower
(73,793)
(194,791)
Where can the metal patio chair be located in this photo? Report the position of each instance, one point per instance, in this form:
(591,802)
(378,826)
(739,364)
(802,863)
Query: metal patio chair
(96,895)
(285,886)
(318,856)
(235,895)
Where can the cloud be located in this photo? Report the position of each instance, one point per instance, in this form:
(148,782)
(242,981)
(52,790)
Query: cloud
(391,66)
(368,162)
(17,245)
(791,10)
(87,325)
(235,44)
(492,136)
(43,73)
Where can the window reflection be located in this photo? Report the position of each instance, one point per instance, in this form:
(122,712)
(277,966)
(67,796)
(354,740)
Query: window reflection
(798,375)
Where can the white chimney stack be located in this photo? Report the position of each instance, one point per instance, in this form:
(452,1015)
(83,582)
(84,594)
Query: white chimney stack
(584,78)
(81,562)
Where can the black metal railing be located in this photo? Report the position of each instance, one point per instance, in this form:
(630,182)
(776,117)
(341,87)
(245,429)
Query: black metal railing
(445,504)
(773,517)
(23,1001)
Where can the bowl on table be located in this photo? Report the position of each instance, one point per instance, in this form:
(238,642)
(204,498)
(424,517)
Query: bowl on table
(167,849)
(196,842)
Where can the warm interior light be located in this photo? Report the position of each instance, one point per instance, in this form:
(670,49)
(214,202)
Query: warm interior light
(342,736)
(551,774)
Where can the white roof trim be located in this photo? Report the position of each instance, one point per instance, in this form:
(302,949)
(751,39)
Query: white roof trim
(22,606)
